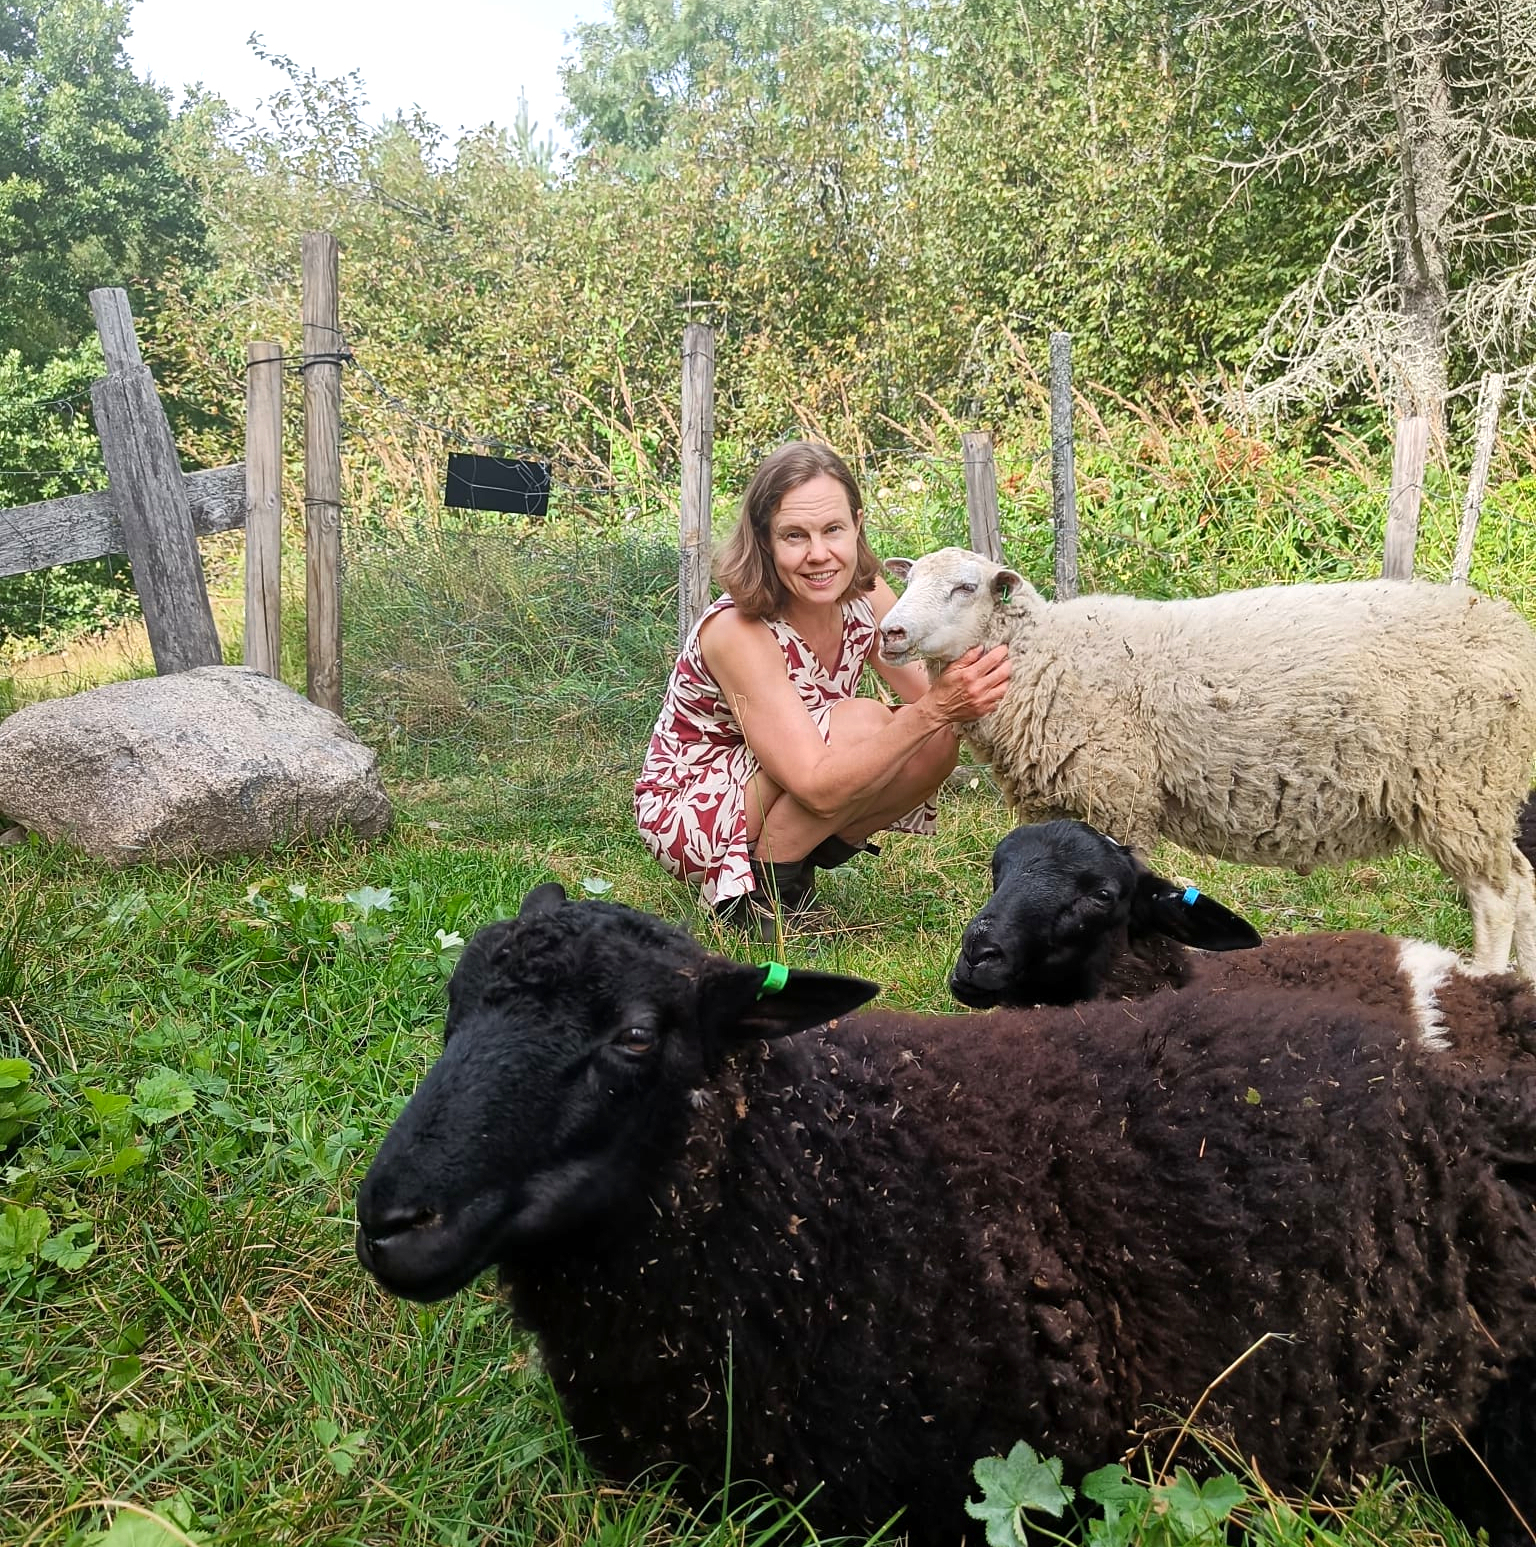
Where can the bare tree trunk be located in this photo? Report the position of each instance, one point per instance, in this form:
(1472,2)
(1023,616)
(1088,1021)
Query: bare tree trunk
(1416,44)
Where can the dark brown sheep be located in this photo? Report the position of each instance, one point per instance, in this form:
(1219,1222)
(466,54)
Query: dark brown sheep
(1075,916)
(856,1253)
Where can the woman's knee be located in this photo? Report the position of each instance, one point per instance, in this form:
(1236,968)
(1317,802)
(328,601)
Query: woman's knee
(933,763)
(857,719)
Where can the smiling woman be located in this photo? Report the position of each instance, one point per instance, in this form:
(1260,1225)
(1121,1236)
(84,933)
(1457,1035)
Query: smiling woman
(764,764)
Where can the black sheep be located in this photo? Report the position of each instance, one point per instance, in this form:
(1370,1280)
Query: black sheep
(896,1243)
(1075,916)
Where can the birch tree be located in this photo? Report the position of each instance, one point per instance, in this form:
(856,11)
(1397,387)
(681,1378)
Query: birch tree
(1428,109)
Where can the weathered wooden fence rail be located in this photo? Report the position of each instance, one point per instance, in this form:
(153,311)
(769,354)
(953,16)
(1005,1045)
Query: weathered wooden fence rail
(149,496)
(86,526)
(154,513)
(151,511)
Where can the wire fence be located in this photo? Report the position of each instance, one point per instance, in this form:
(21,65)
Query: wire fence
(536,649)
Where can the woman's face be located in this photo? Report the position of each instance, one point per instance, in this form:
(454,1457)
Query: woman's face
(814,539)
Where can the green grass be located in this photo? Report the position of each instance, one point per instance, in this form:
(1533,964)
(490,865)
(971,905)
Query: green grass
(221,1348)
(213,1051)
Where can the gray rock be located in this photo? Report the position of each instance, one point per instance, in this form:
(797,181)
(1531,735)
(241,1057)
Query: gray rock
(216,761)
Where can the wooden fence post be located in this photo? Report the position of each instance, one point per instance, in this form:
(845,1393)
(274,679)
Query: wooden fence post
(264,504)
(1063,468)
(1409,450)
(322,469)
(981,494)
(1489,396)
(149,495)
(694,537)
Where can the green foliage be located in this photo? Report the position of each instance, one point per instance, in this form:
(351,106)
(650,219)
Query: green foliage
(1137,1512)
(48,449)
(87,194)
(1181,1513)
(19,1104)
(884,211)
(1011,1485)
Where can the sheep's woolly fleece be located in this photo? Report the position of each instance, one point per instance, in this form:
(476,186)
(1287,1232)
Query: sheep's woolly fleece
(858,1259)
(1287,725)
(1075,916)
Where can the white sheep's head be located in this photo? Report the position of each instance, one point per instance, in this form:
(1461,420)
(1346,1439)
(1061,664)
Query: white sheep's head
(948,605)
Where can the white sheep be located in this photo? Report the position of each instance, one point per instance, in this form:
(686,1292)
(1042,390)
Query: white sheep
(1289,725)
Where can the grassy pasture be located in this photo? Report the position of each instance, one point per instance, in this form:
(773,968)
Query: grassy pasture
(204,1055)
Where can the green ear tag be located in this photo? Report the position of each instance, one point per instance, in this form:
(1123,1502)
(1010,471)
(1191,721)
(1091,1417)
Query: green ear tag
(775,976)
(1007,592)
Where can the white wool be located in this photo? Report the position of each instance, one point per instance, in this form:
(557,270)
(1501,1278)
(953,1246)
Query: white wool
(1286,725)
(1425,967)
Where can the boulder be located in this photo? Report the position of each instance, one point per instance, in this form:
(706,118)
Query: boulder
(215,761)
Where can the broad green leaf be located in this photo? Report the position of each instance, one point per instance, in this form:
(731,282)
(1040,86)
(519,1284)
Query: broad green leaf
(107,1104)
(1011,1485)
(67,1250)
(1114,1489)
(137,1428)
(127,908)
(22,1233)
(123,1370)
(122,1161)
(159,1097)
(130,1529)
(1201,1508)
(14,1072)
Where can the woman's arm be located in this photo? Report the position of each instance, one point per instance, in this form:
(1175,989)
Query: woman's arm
(744,658)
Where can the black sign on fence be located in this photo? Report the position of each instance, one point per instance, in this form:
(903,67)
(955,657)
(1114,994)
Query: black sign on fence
(517,486)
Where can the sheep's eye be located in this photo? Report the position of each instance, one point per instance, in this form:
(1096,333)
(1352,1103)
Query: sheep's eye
(636,1040)
(965,588)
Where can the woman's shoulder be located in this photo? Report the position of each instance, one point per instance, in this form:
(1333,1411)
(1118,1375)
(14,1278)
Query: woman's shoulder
(730,633)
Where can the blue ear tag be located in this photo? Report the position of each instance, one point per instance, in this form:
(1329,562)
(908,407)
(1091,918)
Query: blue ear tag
(775,976)
(1192,895)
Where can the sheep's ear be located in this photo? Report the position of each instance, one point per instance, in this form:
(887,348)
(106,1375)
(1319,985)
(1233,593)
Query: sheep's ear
(541,899)
(771,1000)
(1006,582)
(899,569)
(1187,914)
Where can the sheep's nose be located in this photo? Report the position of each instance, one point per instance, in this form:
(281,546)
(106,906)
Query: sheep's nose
(893,638)
(980,951)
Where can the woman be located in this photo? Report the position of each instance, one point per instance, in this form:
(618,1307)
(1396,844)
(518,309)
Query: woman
(763,764)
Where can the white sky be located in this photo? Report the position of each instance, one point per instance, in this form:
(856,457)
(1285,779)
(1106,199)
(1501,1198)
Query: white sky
(461,61)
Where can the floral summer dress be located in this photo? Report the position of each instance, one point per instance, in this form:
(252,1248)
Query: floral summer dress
(690,797)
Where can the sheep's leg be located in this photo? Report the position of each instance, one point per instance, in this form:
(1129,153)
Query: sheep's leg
(1493,924)
(1522,898)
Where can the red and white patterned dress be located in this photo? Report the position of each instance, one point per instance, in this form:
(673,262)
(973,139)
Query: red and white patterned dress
(690,798)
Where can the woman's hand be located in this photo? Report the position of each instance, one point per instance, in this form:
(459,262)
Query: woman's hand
(971,687)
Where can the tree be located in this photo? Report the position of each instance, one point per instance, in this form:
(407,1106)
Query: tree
(632,75)
(88,195)
(1427,108)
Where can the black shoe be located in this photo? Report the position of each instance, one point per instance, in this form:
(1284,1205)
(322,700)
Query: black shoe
(834,851)
(789,888)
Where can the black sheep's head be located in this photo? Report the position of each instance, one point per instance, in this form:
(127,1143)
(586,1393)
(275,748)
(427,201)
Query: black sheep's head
(1067,903)
(576,1035)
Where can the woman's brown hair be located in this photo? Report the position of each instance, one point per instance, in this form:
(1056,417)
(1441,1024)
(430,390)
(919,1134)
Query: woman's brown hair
(745,565)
